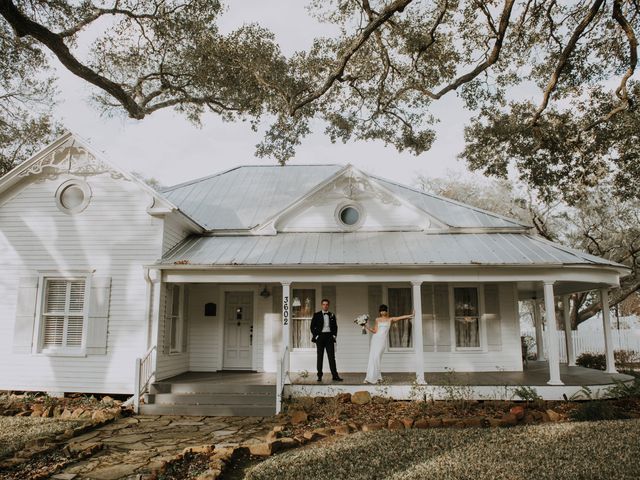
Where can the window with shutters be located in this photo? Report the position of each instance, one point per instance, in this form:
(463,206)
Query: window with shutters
(466,316)
(63,314)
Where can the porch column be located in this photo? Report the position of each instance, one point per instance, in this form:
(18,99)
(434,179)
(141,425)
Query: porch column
(286,334)
(417,330)
(553,356)
(606,325)
(568,334)
(155,278)
(537,319)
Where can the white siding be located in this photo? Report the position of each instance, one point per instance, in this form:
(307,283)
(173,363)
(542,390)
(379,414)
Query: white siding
(113,237)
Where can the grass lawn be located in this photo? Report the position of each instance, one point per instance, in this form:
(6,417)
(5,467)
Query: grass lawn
(577,450)
(16,432)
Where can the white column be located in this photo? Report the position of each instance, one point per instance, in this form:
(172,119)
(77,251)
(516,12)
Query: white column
(568,334)
(418,343)
(606,325)
(537,319)
(552,336)
(286,321)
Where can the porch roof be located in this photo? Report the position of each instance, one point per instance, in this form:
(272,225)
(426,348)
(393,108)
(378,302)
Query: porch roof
(378,248)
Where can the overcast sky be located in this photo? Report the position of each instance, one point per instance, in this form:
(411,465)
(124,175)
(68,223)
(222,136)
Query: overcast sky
(167,147)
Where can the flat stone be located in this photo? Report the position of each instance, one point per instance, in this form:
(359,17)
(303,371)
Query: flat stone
(114,472)
(407,421)
(554,416)
(508,420)
(395,424)
(298,417)
(64,476)
(133,438)
(186,423)
(311,436)
(261,449)
(342,430)
(518,411)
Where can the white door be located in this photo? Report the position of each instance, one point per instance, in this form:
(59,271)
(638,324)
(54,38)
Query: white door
(238,330)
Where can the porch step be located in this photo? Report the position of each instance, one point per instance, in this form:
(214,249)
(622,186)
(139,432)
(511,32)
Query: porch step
(209,410)
(209,399)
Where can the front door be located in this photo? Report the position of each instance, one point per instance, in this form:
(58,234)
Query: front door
(238,330)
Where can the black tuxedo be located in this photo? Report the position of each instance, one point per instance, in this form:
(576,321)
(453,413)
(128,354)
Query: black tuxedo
(325,341)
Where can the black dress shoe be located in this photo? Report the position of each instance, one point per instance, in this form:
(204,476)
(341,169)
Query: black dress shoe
(319,379)
(337,379)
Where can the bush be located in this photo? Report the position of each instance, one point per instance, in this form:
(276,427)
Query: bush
(597,410)
(598,361)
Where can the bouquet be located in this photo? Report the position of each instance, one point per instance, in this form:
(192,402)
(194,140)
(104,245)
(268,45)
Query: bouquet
(362,321)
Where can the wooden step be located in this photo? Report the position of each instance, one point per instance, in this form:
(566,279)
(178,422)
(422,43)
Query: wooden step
(210,410)
(203,387)
(211,399)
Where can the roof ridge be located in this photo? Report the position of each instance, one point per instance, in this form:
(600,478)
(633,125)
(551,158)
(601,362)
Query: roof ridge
(223,172)
(455,202)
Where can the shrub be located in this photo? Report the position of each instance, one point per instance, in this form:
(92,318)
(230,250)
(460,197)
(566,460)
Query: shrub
(596,361)
(624,390)
(597,410)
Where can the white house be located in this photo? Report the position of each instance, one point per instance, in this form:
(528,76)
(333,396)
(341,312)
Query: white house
(224,272)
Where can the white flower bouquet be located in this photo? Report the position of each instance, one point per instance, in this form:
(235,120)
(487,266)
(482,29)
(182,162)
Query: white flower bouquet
(362,321)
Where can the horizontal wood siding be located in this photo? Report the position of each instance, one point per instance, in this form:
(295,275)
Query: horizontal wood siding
(113,237)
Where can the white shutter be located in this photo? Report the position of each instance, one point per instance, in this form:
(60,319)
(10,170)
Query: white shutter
(99,301)
(25,314)
(443,321)
(428,318)
(53,332)
(492,315)
(185,319)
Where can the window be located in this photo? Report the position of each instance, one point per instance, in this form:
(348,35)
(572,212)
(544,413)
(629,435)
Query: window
(63,314)
(349,216)
(467,317)
(302,309)
(73,196)
(174,318)
(400,303)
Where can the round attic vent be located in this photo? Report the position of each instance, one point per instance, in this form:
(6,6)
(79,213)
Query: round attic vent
(349,216)
(73,196)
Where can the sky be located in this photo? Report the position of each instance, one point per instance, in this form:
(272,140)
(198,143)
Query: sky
(172,150)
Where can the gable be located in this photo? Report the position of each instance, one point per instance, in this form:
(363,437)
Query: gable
(353,201)
(244,197)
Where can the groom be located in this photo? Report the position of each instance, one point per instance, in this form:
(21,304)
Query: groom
(324,330)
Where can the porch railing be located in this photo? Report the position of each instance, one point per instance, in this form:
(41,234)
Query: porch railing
(144,373)
(281,375)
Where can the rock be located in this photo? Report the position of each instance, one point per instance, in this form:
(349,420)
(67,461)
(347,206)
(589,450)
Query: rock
(476,422)
(343,397)
(508,420)
(261,449)
(544,417)
(200,449)
(407,422)
(278,428)
(324,432)
(64,476)
(495,422)
(300,439)
(298,417)
(554,416)
(282,444)
(77,412)
(114,472)
(421,423)
(273,435)
(342,430)
(57,411)
(370,427)
(106,399)
(518,411)
(395,424)
(361,398)
(47,412)
(311,436)
(100,416)
(450,422)
(378,400)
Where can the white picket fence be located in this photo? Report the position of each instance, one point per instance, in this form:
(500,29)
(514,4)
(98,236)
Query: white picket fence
(593,341)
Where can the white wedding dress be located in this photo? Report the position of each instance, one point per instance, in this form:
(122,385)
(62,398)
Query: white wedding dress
(378,344)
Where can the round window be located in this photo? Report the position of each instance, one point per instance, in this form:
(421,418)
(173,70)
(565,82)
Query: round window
(349,216)
(73,196)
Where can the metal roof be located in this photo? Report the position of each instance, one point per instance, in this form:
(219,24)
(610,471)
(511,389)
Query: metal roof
(454,214)
(244,197)
(377,248)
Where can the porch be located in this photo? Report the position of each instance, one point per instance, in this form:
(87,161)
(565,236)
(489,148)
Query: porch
(498,385)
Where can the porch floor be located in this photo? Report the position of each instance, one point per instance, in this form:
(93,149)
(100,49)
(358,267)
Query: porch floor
(535,374)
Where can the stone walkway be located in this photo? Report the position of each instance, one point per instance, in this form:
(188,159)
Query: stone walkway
(132,447)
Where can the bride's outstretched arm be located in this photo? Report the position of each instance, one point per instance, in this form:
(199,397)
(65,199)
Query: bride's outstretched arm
(403,317)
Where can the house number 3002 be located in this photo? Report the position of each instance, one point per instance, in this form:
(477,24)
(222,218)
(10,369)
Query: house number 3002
(285,310)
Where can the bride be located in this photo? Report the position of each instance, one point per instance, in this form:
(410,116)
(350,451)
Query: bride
(379,341)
